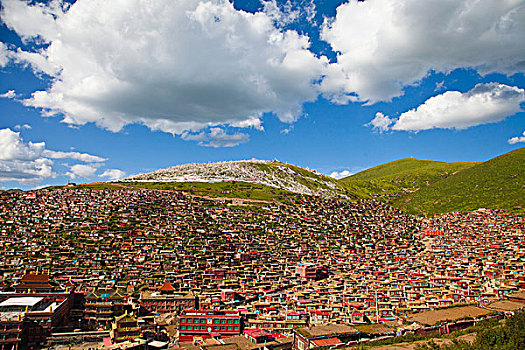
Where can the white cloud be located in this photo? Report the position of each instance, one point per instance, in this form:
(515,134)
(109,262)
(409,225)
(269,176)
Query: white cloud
(82,171)
(12,147)
(282,16)
(20,161)
(4,54)
(288,130)
(113,174)
(30,163)
(217,137)
(285,13)
(22,127)
(83,157)
(485,103)
(384,45)
(516,139)
(249,123)
(8,94)
(172,65)
(381,122)
(340,174)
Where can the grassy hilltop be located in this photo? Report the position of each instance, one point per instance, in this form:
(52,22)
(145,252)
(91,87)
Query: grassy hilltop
(403,176)
(428,187)
(498,183)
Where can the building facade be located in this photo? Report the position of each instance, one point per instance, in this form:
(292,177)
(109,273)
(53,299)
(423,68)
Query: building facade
(209,324)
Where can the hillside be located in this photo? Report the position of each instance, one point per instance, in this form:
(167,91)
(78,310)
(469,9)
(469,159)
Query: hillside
(498,183)
(273,174)
(402,176)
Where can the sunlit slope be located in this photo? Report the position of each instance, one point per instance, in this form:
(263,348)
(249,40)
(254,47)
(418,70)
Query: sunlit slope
(403,176)
(498,183)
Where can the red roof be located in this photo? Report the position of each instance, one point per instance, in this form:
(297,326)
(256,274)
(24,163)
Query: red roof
(256,332)
(326,341)
(167,287)
(278,336)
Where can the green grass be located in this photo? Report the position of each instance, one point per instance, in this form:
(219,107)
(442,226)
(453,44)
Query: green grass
(428,187)
(233,190)
(402,176)
(498,183)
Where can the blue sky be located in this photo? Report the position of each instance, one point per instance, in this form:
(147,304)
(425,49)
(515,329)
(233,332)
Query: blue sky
(96,90)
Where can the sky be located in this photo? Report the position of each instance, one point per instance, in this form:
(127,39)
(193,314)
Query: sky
(96,90)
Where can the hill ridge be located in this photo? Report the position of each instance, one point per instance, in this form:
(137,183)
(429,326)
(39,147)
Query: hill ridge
(271,173)
(497,183)
(428,186)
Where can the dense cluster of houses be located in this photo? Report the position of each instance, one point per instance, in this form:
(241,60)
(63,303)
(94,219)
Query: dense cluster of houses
(184,270)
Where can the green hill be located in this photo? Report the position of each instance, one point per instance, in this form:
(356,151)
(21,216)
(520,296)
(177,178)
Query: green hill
(498,183)
(402,176)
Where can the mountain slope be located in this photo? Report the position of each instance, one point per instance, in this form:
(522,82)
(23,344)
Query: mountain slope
(498,183)
(268,173)
(403,176)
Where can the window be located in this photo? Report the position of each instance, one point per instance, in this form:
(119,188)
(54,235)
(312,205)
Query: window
(236,328)
(223,328)
(182,320)
(182,327)
(216,321)
(189,320)
(230,320)
(216,328)
(189,328)
(203,320)
(236,321)
(223,321)
(230,328)
(203,328)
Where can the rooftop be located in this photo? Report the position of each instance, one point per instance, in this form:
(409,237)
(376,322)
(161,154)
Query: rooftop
(21,301)
(330,329)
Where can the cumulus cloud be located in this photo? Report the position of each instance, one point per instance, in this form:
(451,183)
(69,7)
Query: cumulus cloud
(381,122)
(340,174)
(516,139)
(113,174)
(30,163)
(82,170)
(384,45)
(172,65)
(20,161)
(485,103)
(217,137)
